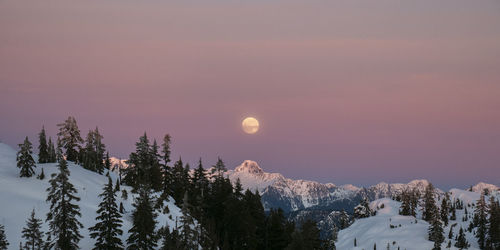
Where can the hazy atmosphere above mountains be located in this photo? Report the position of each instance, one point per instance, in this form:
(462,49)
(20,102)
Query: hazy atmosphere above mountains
(347,92)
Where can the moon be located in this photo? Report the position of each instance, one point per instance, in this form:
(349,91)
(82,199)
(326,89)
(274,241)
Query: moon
(250,125)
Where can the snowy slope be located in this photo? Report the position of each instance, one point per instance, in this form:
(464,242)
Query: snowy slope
(409,233)
(20,195)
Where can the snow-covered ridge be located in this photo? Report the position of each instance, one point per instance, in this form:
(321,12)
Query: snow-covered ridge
(21,195)
(481,186)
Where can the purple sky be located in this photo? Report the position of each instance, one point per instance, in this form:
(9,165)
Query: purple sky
(345,91)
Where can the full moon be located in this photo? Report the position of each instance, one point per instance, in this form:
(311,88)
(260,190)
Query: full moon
(250,125)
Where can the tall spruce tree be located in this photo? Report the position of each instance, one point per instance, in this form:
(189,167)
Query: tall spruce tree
(70,138)
(24,159)
(51,151)
(142,234)
(189,235)
(3,239)
(493,241)
(43,150)
(62,217)
(445,209)
(481,221)
(142,166)
(430,208)
(92,155)
(32,233)
(436,232)
(107,229)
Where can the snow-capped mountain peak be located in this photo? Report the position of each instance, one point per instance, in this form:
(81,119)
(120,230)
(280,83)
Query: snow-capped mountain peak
(481,186)
(250,167)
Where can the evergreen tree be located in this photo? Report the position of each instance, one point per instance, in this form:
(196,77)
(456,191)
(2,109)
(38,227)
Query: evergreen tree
(3,239)
(344,220)
(32,233)
(51,151)
(481,221)
(43,153)
(107,162)
(278,230)
(414,198)
(143,166)
(445,209)
(70,138)
(142,234)
(493,241)
(92,155)
(189,235)
(311,235)
(461,241)
(405,208)
(362,210)
(166,149)
(436,232)
(219,168)
(62,217)
(107,229)
(24,159)
(430,208)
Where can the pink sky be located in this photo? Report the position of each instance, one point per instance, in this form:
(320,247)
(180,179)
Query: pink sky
(346,91)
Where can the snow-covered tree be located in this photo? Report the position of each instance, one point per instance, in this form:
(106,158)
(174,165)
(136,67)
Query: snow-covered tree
(362,210)
(344,220)
(32,233)
(43,150)
(62,217)
(3,239)
(24,159)
(142,234)
(107,229)
(70,138)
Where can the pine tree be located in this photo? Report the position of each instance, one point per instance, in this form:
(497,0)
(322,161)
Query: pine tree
(51,151)
(344,220)
(3,239)
(166,149)
(62,217)
(107,229)
(362,210)
(493,241)
(188,235)
(405,203)
(481,221)
(24,159)
(430,208)
(32,233)
(70,138)
(445,209)
(461,241)
(43,153)
(92,155)
(142,234)
(219,168)
(436,232)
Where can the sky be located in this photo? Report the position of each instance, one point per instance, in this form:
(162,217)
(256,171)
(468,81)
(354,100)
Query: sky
(345,91)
